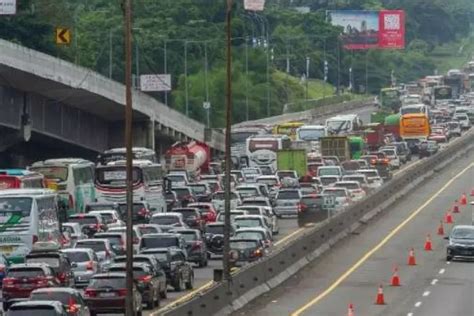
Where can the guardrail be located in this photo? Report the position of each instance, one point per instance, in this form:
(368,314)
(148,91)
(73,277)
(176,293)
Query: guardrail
(310,115)
(258,278)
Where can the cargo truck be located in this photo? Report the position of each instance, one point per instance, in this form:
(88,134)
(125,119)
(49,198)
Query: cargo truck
(293,159)
(343,147)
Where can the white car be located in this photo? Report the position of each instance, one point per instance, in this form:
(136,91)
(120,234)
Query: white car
(110,217)
(392,155)
(463,119)
(342,196)
(218,200)
(373,177)
(354,188)
(251,221)
(263,211)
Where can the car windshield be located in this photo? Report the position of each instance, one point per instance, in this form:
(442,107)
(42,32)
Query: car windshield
(247,192)
(371,174)
(461,117)
(176,178)
(99,207)
(215,229)
(463,233)
(159,242)
(327,180)
(311,134)
(115,283)
(182,192)
(114,239)
(288,195)
(337,193)
(358,179)
(186,212)
(137,272)
(63,297)
(188,236)
(328,171)
(338,125)
(286,174)
(148,230)
(253,202)
(250,235)
(25,272)
(40,310)
(107,217)
(268,181)
(68,229)
(349,186)
(389,152)
(164,220)
(94,245)
(15,206)
(50,261)
(77,256)
(198,188)
(252,210)
(84,220)
(248,222)
(220,196)
(308,200)
(242,245)
(160,256)
(250,171)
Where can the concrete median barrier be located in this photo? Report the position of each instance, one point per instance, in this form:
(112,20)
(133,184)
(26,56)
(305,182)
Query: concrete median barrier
(255,279)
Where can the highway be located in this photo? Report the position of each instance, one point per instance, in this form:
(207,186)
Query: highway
(354,269)
(288,228)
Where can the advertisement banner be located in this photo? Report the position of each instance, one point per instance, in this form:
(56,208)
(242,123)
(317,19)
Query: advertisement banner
(7,7)
(254,5)
(370,29)
(155,82)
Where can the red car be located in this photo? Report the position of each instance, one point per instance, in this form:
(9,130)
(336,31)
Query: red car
(207,210)
(439,135)
(23,278)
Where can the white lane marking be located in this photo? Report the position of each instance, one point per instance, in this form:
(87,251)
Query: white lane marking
(442,271)
(426,293)
(418,304)
(448,262)
(434,281)
(410,314)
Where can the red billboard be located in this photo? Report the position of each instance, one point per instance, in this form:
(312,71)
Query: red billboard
(370,29)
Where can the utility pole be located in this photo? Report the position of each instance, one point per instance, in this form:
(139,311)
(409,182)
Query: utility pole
(247,78)
(228,167)
(165,67)
(307,76)
(110,54)
(206,84)
(268,74)
(129,308)
(186,95)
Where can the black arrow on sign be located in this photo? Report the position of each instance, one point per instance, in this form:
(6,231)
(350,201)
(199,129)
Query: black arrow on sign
(61,35)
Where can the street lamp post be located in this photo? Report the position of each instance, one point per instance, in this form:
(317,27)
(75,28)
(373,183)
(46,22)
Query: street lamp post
(186,92)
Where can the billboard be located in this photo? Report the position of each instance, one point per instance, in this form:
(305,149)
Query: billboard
(155,82)
(7,7)
(383,29)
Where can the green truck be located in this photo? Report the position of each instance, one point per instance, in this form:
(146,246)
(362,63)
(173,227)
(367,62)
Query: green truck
(293,159)
(344,147)
(390,102)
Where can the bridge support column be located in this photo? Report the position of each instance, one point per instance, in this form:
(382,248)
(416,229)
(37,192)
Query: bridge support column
(143,134)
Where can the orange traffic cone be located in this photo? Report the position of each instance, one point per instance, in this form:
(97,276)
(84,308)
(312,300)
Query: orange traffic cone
(463,199)
(441,228)
(456,207)
(411,258)
(380,300)
(395,278)
(428,244)
(448,218)
(350,310)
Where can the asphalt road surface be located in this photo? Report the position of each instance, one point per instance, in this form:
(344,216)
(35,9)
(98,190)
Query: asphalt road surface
(353,270)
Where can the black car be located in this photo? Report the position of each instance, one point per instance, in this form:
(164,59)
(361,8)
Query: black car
(461,243)
(147,282)
(179,272)
(90,223)
(155,265)
(58,262)
(195,246)
(184,195)
(191,216)
(171,201)
(243,251)
(311,209)
(201,191)
(162,240)
(141,212)
(214,238)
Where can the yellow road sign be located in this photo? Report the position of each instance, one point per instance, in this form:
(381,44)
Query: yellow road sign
(63,36)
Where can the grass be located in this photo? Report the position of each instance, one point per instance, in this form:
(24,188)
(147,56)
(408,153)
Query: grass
(453,55)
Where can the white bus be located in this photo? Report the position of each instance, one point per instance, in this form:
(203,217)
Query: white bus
(73,178)
(414,109)
(311,133)
(343,124)
(110,182)
(27,216)
(262,149)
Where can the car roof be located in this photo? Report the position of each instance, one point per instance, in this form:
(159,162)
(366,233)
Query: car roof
(109,274)
(29,265)
(93,239)
(55,304)
(246,229)
(160,235)
(124,264)
(56,289)
(464,227)
(77,249)
(248,216)
(168,214)
(347,182)
(185,230)
(155,250)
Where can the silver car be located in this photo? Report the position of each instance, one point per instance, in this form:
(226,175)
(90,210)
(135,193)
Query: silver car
(101,247)
(263,211)
(84,264)
(251,221)
(287,202)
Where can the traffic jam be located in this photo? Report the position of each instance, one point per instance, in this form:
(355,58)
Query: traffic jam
(62,229)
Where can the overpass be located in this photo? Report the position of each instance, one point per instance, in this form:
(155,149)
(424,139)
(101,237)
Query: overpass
(55,100)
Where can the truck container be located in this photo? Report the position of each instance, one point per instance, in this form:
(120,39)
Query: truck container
(193,157)
(338,146)
(392,125)
(293,159)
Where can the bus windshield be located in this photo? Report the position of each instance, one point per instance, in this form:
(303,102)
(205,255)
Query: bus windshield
(52,173)
(339,125)
(15,207)
(311,134)
(115,176)
(240,137)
